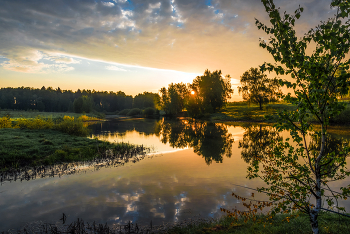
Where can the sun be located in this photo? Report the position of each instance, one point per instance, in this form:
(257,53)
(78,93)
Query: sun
(192,92)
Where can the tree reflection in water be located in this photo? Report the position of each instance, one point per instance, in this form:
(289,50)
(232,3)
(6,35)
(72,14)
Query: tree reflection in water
(334,148)
(209,140)
(256,142)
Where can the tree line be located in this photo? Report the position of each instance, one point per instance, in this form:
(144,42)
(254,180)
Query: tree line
(206,94)
(57,100)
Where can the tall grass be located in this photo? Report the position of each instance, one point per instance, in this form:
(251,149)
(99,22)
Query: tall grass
(37,123)
(67,124)
(72,126)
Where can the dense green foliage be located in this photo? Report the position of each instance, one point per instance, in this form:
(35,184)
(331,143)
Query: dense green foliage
(257,88)
(83,104)
(57,100)
(207,94)
(297,171)
(212,90)
(145,100)
(173,99)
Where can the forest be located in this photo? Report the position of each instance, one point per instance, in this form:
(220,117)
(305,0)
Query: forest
(207,94)
(57,100)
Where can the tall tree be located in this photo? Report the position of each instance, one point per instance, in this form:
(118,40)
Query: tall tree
(172,100)
(257,88)
(298,174)
(146,99)
(213,90)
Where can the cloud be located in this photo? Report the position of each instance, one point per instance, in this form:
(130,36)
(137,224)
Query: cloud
(66,60)
(108,4)
(114,68)
(35,61)
(217,34)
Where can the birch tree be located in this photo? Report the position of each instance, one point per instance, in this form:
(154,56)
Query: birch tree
(297,171)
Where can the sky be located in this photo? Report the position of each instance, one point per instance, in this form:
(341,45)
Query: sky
(135,45)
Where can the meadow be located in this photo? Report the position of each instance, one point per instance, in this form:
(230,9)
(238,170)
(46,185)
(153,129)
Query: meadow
(28,140)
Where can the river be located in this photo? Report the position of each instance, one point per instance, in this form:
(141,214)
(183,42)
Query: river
(191,172)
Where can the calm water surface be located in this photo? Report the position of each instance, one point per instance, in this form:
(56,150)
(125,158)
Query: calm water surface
(193,171)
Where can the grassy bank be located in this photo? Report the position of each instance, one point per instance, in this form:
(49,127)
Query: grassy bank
(328,223)
(45,141)
(26,147)
(17,114)
(242,111)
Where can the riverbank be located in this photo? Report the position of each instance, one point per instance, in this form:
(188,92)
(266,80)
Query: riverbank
(281,223)
(42,140)
(328,223)
(25,147)
(244,112)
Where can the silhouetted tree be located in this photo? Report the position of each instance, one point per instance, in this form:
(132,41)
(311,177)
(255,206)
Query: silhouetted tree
(146,99)
(212,89)
(257,88)
(172,100)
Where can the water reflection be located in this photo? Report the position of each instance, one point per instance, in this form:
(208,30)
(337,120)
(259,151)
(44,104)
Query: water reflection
(334,147)
(256,142)
(121,127)
(260,141)
(212,141)
(163,188)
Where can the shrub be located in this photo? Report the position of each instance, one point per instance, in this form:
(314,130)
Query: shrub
(37,123)
(133,112)
(149,111)
(100,115)
(124,112)
(72,127)
(87,118)
(5,122)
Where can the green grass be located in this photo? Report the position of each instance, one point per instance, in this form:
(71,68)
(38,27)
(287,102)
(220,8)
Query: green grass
(328,223)
(16,114)
(241,111)
(25,147)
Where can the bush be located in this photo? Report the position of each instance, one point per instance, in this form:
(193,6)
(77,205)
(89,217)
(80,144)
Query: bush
(87,118)
(5,122)
(149,111)
(72,127)
(124,112)
(133,112)
(100,115)
(37,123)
